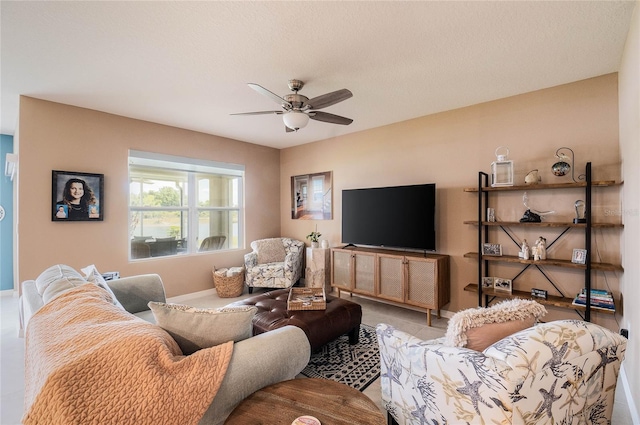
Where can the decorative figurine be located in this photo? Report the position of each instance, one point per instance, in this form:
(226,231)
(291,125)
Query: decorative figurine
(491,214)
(526,250)
(541,248)
(535,253)
(531,215)
(532,177)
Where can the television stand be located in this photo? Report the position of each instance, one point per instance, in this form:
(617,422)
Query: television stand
(348,246)
(404,278)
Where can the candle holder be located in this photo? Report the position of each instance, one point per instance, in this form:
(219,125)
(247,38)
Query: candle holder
(502,169)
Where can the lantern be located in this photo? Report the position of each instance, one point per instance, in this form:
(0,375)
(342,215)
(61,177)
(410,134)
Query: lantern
(502,168)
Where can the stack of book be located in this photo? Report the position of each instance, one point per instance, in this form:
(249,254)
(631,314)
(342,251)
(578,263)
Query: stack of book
(599,299)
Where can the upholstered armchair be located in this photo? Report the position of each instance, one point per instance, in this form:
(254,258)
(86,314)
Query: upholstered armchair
(273,263)
(557,372)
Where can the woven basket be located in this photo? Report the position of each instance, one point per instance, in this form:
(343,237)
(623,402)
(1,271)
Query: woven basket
(228,287)
(306,299)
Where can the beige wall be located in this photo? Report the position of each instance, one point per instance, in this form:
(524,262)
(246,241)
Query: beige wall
(451,147)
(630,152)
(53,136)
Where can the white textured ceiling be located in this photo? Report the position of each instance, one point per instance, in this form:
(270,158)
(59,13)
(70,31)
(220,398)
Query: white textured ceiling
(186,64)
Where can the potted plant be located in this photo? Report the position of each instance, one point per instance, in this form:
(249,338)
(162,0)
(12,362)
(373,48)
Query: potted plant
(313,237)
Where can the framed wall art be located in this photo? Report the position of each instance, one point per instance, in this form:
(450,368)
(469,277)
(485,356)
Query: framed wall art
(311,196)
(77,196)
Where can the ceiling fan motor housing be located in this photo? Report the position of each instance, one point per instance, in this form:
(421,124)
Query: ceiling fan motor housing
(298,101)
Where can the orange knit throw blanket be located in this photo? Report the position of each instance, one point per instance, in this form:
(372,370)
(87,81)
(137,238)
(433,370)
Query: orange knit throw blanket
(89,362)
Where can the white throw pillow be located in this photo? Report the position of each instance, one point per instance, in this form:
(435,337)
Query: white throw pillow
(55,273)
(197,328)
(61,286)
(270,251)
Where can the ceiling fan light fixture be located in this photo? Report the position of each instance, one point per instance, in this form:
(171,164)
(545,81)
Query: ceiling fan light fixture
(295,120)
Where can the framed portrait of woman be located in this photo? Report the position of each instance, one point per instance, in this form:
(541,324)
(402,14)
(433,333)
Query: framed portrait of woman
(77,196)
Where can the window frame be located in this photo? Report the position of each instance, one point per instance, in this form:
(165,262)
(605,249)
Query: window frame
(194,169)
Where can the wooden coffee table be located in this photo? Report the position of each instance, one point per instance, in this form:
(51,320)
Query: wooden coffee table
(329,401)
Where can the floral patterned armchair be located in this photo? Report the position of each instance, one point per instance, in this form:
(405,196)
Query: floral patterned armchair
(273,263)
(562,372)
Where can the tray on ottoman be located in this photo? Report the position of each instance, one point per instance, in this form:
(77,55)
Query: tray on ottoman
(321,326)
(306,299)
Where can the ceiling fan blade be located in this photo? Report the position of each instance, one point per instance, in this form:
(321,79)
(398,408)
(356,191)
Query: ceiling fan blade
(329,99)
(271,95)
(259,113)
(330,118)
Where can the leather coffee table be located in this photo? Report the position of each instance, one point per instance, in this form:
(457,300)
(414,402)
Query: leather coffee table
(321,326)
(330,402)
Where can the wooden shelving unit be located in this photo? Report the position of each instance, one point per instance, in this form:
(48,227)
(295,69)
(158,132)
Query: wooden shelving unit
(486,295)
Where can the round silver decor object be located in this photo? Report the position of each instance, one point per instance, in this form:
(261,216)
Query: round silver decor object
(560,168)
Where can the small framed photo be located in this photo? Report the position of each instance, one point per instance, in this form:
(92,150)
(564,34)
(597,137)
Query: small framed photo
(77,196)
(539,293)
(487,283)
(579,256)
(500,284)
(492,249)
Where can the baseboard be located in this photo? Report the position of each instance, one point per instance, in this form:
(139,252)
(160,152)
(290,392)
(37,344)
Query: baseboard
(633,409)
(186,297)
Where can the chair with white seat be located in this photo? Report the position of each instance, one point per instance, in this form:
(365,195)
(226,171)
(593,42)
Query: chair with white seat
(212,243)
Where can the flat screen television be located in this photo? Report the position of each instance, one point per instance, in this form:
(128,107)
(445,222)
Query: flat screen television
(395,217)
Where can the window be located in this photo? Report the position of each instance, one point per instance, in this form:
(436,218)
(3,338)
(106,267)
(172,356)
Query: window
(179,205)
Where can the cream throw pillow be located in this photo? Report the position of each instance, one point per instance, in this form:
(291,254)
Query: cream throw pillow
(56,273)
(197,328)
(270,250)
(68,279)
(61,286)
(478,328)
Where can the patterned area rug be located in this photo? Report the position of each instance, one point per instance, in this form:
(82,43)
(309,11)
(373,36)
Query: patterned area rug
(354,365)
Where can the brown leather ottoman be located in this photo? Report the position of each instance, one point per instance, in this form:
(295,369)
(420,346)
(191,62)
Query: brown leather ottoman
(321,326)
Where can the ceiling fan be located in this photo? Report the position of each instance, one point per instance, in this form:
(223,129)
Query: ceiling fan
(297,109)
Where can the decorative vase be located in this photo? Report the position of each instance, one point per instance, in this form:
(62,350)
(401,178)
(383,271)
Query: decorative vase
(315,245)
(325,244)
